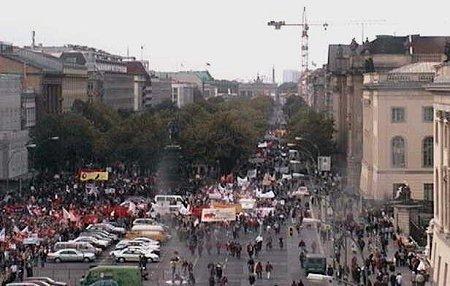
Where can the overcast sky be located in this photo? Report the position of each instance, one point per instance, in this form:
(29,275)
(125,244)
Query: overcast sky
(232,35)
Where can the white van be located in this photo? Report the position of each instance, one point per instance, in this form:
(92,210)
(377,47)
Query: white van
(84,247)
(165,204)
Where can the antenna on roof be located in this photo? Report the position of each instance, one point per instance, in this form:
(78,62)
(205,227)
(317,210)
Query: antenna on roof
(33,39)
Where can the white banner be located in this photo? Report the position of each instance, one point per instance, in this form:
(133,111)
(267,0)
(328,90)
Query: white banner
(218,215)
(247,203)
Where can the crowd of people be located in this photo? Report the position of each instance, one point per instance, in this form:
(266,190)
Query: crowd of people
(57,208)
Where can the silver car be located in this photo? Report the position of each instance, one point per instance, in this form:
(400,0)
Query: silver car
(70,255)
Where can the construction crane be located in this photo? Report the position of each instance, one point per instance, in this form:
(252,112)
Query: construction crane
(305,35)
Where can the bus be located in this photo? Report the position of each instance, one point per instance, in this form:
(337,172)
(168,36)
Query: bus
(315,263)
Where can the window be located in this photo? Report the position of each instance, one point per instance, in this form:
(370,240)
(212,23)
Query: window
(428,113)
(398,114)
(428,192)
(398,152)
(427,152)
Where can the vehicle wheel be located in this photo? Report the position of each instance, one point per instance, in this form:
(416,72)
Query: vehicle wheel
(121,259)
(58,260)
(86,259)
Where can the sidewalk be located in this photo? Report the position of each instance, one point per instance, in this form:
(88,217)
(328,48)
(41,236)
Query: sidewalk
(391,249)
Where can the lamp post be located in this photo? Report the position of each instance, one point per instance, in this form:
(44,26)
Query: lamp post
(11,156)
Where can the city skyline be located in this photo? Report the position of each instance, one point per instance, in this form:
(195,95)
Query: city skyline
(236,42)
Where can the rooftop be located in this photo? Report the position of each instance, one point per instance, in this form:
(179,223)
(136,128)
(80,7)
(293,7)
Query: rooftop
(422,67)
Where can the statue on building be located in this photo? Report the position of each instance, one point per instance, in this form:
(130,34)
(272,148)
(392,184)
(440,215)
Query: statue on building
(369,66)
(447,52)
(173,131)
(403,193)
(353,46)
(340,51)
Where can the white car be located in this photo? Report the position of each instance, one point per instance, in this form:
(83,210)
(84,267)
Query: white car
(149,248)
(71,255)
(144,221)
(92,240)
(147,240)
(109,227)
(127,243)
(126,255)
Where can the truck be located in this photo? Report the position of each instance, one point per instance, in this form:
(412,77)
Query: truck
(113,275)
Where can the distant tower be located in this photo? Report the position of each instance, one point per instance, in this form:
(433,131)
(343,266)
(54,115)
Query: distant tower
(273,74)
(33,39)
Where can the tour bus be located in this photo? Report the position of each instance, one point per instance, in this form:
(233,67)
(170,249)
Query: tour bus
(165,204)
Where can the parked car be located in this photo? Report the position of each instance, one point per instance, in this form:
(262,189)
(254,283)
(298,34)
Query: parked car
(104,234)
(92,240)
(39,283)
(108,227)
(125,243)
(149,227)
(127,255)
(45,279)
(23,284)
(147,240)
(144,221)
(148,248)
(154,235)
(80,246)
(72,255)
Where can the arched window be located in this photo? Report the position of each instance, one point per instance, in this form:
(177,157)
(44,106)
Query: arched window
(427,152)
(398,152)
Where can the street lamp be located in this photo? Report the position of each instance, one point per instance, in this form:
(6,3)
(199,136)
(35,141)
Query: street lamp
(11,156)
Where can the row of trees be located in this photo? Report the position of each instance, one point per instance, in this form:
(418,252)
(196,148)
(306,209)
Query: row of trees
(216,132)
(309,125)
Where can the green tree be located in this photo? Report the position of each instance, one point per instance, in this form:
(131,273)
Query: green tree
(315,127)
(74,146)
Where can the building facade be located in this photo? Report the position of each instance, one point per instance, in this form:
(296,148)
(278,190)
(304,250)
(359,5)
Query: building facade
(398,133)
(182,94)
(347,65)
(257,88)
(14,136)
(439,245)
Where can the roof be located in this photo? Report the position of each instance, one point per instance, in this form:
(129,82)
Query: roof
(387,44)
(203,76)
(136,68)
(421,67)
(429,45)
(338,55)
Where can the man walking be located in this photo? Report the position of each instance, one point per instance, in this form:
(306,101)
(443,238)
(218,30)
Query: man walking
(269,269)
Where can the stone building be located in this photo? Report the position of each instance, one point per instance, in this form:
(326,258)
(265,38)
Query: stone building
(202,80)
(56,83)
(347,65)
(108,80)
(398,133)
(438,249)
(142,82)
(257,88)
(17,111)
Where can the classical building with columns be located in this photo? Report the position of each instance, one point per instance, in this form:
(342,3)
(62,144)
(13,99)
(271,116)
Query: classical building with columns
(439,244)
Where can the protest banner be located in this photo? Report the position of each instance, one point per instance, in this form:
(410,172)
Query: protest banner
(218,215)
(93,176)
